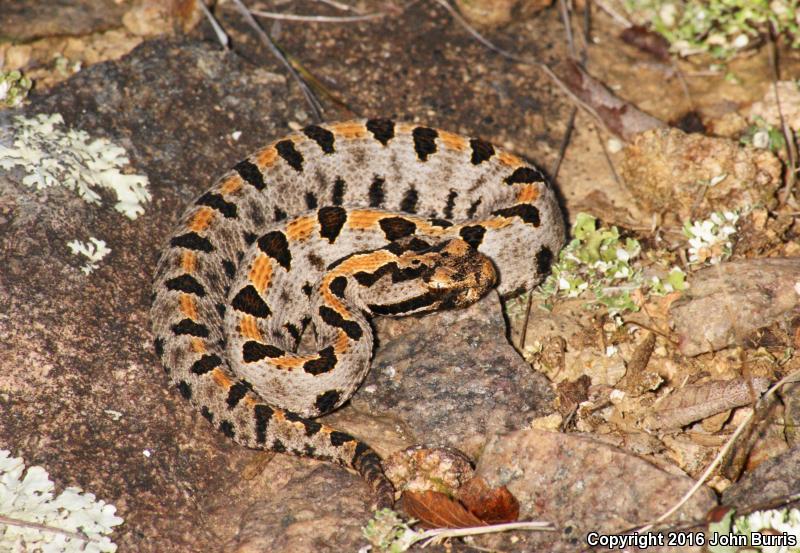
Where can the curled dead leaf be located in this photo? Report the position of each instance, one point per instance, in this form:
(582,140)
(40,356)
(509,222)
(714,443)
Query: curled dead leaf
(436,510)
(491,505)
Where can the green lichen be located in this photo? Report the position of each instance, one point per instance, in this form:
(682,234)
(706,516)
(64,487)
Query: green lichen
(717,27)
(14,87)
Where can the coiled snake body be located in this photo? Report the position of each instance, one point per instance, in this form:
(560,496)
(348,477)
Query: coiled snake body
(328,227)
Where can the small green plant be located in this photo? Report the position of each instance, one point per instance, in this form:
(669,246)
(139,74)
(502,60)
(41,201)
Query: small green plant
(717,27)
(711,240)
(764,136)
(599,261)
(675,282)
(14,87)
(388,533)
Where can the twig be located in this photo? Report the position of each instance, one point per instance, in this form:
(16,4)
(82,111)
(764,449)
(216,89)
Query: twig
(9,521)
(312,101)
(615,15)
(564,141)
(221,36)
(505,53)
(338,5)
(317,18)
(564,11)
(791,147)
(479,37)
(437,535)
(791,377)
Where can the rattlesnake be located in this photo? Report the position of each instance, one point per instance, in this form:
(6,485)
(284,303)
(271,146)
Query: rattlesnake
(330,225)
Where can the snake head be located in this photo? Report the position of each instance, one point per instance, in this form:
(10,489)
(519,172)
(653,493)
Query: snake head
(461,274)
(419,276)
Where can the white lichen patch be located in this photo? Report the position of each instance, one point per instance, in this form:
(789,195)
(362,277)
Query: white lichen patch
(70,522)
(94,250)
(52,154)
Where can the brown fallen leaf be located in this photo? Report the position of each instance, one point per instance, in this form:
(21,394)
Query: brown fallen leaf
(491,505)
(692,403)
(436,510)
(646,41)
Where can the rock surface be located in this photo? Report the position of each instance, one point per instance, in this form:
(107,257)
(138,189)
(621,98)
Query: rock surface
(726,303)
(581,485)
(689,175)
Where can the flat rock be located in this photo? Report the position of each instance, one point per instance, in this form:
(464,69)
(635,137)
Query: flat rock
(774,479)
(453,378)
(726,303)
(668,170)
(581,485)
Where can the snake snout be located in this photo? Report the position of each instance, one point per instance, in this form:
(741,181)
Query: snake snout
(462,274)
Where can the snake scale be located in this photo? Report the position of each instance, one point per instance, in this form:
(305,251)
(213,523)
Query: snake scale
(323,229)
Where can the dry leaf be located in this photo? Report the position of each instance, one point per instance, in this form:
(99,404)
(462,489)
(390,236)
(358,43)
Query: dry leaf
(491,505)
(436,510)
(693,403)
(647,41)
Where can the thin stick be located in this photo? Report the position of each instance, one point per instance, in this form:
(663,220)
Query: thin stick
(564,11)
(436,535)
(564,142)
(338,5)
(791,377)
(471,30)
(221,36)
(505,53)
(9,521)
(312,101)
(615,15)
(791,147)
(317,18)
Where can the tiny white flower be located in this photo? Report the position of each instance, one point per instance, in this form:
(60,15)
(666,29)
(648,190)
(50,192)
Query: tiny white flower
(761,139)
(667,14)
(741,41)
